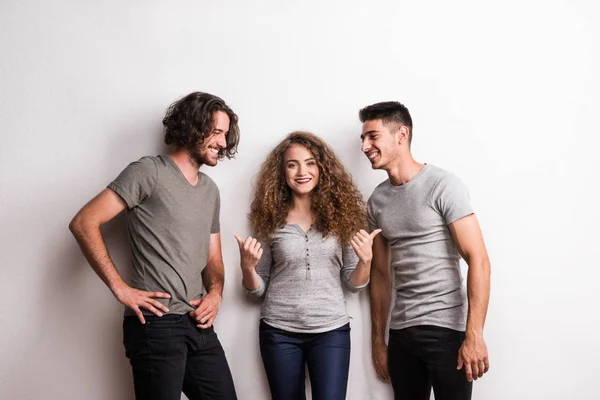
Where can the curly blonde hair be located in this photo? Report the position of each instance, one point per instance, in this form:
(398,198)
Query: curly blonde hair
(336,202)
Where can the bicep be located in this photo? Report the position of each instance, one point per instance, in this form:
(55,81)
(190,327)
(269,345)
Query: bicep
(101,209)
(467,237)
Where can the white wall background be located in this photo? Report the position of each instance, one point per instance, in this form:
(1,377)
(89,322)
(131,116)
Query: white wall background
(506,95)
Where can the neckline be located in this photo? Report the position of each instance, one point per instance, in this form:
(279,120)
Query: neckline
(180,172)
(413,179)
(301,229)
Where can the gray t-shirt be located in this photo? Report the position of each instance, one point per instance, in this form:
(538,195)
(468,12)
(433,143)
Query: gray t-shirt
(414,218)
(169,223)
(301,275)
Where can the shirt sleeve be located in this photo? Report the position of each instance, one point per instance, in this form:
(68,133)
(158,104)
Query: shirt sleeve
(136,182)
(263,269)
(349,262)
(216,225)
(451,199)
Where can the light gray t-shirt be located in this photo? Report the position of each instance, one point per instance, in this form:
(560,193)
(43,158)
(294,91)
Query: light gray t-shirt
(414,218)
(169,223)
(301,275)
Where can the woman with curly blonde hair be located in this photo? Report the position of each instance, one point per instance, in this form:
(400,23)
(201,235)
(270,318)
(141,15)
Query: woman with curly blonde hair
(307,216)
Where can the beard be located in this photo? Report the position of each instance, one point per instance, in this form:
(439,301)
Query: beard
(199,156)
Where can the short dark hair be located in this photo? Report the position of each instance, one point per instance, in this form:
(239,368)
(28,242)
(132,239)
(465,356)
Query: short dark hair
(390,112)
(190,120)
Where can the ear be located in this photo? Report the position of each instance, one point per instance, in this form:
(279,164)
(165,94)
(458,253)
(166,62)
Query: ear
(403,134)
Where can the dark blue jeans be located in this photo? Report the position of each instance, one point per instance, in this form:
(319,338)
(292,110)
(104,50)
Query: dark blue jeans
(422,357)
(285,355)
(170,354)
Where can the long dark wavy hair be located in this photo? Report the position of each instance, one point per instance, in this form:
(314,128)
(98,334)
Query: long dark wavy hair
(336,202)
(189,121)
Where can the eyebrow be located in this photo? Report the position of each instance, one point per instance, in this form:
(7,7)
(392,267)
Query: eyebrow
(308,159)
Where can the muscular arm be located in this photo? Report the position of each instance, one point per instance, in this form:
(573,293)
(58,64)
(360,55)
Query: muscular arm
(85,226)
(469,242)
(380,296)
(213,277)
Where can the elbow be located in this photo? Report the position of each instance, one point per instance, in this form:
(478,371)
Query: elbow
(75,225)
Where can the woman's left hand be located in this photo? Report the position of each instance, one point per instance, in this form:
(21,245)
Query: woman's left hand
(362,243)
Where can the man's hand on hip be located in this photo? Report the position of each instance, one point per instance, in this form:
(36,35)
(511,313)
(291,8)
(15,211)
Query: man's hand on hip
(207,309)
(137,299)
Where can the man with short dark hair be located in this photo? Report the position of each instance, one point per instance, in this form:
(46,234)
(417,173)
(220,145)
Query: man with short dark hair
(173,224)
(427,224)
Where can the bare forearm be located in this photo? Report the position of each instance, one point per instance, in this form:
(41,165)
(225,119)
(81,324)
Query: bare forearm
(360,275)
(92,245)
(478,292)
(380,296)
(213,276)
(250,278)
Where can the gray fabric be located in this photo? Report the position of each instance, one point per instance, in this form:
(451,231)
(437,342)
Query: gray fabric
(414,218)
(301,275)
(169,223)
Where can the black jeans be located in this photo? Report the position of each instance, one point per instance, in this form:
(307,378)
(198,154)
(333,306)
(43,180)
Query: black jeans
(285,355)
(169,354)
(420,357)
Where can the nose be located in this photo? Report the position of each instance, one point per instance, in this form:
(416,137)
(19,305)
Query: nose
(300,170)
(221,142)
(365,146)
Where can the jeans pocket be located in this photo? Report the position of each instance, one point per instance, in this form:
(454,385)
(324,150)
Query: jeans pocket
(135,338)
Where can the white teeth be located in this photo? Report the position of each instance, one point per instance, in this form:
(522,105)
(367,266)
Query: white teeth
(373,155)
(214,151)
(303,180)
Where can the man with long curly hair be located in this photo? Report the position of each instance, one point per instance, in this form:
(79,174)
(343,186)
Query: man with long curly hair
(173,222)
(427,224)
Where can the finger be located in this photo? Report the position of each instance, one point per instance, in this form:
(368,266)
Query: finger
(469,372)
(252,243)
(374,233)
(239,240)
(160,295)
(208,323)
(139,314)
(260,253)
(158,305)
(481,366)
(475,369)
(354,245)
(256,246)
(196,302)
(358,239)
(486,362)
(203,316)
(382,372)
(151,308)
(460,362)
(247,242)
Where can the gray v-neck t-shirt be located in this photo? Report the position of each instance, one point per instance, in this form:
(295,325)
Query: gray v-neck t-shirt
(169,223)
(414,219)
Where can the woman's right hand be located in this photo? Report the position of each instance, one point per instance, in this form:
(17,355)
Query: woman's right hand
(250,252)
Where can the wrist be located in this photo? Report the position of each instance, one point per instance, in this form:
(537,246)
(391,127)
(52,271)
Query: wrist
(473,333)
(117,286)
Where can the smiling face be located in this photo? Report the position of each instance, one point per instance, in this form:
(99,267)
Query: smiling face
(207,153)
(300,169)
(381,142)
